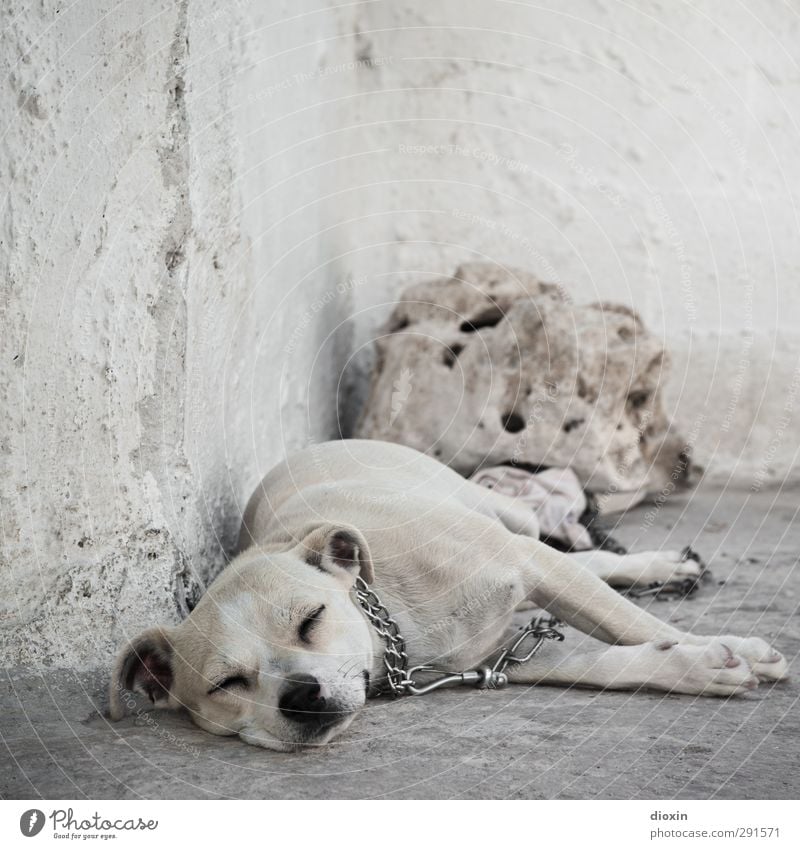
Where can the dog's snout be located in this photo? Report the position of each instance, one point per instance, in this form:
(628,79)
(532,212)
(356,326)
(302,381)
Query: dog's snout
(304,700)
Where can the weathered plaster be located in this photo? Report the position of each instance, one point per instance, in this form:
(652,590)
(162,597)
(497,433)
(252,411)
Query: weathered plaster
(636,153)
(154,277)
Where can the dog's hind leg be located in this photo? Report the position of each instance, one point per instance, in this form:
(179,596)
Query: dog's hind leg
(640,569)
(709,670)
(514,516)
(618,570)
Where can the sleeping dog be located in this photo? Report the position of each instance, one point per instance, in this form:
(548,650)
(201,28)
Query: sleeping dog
(279,649)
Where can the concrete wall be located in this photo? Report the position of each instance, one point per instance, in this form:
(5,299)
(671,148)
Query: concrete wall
(268,265)
(642,153)
(208,209)
(165,249)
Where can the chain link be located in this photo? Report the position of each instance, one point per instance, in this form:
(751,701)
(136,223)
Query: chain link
(401,680)
(395,659)
(677,588)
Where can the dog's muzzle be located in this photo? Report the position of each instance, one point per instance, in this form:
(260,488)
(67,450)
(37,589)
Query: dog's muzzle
(304,702)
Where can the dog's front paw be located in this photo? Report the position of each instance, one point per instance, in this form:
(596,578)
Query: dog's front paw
(767,663)
(712,669)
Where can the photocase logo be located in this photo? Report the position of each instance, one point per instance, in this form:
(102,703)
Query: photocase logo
(66,825)
(31,822)
(402,390)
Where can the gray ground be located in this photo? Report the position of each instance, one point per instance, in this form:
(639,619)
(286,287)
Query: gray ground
(519,743)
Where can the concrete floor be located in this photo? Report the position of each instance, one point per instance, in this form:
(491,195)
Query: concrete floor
(519,743)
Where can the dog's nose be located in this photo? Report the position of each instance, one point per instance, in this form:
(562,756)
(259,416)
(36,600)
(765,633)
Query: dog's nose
(304,700)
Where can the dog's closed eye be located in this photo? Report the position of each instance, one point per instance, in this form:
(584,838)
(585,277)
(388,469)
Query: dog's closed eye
(232,682)
(309,623)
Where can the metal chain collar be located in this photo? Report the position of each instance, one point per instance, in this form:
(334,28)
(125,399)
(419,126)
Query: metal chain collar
(401,680)
(395,659)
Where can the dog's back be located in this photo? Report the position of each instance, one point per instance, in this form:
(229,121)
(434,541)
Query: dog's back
(366,482)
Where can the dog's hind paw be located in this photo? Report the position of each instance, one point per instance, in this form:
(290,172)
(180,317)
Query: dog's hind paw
(648,567)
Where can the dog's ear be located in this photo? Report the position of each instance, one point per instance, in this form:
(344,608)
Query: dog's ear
(143,666)
(340,550)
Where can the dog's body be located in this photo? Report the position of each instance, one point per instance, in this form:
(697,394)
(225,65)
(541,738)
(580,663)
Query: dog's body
(279,651)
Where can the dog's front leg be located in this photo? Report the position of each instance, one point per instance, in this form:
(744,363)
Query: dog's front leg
(563,587)
(707,670)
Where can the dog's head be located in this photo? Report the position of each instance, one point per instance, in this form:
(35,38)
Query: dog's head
(276,651)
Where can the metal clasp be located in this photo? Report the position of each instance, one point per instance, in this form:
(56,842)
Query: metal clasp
(484,678)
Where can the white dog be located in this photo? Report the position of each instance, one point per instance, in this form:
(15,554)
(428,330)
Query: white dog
(280,651)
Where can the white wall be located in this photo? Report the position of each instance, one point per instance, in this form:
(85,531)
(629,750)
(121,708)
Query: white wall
(643,153)
(207,208)
(268,275)
(94,283)
(164,248)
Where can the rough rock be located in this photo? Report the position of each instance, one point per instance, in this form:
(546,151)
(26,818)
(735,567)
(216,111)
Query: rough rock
(493,366)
